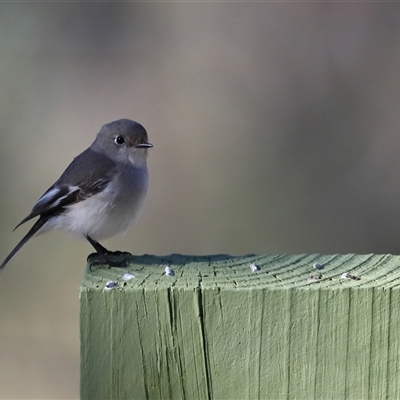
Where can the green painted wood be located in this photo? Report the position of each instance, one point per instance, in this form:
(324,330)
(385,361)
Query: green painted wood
(217,330)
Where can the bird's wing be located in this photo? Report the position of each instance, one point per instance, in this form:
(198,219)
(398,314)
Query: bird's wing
(79,181)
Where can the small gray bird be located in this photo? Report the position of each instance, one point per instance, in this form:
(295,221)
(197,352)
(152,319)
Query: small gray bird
(100,193)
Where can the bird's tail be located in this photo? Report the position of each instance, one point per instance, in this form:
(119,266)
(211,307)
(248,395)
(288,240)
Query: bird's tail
(35,228)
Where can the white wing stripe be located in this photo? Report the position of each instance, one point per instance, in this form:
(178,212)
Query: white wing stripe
(52,197)
(48,197)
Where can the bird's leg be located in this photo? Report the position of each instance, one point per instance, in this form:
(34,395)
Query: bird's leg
(106,257)
(97,246)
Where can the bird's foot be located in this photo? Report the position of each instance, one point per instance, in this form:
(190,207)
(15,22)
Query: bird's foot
(119,259)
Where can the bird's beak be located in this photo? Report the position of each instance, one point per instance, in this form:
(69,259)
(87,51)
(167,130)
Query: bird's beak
(144,145)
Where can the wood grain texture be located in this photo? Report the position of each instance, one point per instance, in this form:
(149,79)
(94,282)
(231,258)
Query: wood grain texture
(217,330)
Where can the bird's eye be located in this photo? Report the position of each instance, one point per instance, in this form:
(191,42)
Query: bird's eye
(119,140)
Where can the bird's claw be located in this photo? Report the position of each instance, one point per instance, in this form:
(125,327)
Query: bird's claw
(119,259)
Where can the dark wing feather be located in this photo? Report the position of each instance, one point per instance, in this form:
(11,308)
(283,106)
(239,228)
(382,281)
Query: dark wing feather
(88,174)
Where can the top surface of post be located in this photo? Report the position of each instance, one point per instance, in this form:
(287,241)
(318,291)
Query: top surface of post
(281,271)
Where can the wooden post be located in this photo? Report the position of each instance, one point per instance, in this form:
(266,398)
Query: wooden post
(284,327)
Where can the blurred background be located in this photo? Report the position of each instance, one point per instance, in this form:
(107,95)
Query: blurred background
(275,129)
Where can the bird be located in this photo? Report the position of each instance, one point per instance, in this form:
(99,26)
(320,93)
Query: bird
(100,193)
